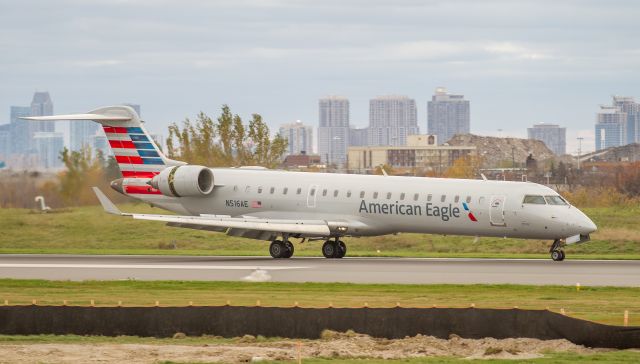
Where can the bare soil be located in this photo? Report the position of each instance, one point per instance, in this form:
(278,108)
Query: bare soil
(248,349)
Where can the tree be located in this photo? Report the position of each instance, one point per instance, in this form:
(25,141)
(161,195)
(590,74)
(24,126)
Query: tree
(83,171)
(464,167)
(225,142)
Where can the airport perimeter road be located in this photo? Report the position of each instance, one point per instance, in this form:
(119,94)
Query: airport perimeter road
(356,270)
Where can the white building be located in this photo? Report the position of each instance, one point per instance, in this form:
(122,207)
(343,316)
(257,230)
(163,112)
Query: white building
(391,119)
(553,136)
(48,146)
(333,130)
(299,137)
(448,115)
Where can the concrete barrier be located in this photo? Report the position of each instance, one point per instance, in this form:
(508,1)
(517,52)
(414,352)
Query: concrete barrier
(296,322)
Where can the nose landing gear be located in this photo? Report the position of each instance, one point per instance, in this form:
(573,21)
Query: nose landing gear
(557,254)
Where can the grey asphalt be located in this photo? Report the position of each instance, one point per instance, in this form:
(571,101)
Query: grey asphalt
(355,270)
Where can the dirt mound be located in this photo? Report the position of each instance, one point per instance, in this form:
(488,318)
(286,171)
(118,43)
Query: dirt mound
(496,151)
(333,345)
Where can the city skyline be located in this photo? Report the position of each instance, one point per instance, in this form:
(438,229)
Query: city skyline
(179,59)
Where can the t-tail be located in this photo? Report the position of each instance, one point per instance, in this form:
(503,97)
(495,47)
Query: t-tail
(138,156)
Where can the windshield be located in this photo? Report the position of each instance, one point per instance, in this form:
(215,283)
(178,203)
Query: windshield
(537,200)
(555,200)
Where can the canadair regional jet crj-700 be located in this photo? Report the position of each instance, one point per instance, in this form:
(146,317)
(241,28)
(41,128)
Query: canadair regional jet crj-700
(277,206)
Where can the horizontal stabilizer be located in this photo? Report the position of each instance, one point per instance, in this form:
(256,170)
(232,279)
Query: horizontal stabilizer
(107,205)
(96,117)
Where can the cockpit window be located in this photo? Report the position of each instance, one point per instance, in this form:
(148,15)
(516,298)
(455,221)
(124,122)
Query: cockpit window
(533,199)
(555,200)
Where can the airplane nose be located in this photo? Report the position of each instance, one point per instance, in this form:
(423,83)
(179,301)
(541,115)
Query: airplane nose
(585,224)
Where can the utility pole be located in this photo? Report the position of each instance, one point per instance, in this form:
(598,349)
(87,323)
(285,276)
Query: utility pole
(579,151)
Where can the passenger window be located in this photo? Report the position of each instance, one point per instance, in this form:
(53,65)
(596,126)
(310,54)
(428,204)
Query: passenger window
(361,194)
(555,200)
(402,196)
(532,199)
(324,192)
(468,199)
(259,189)
(415,197)
(456,199)
(388,195)
(375,195)
(272,190)
(335,193)
(299,191)
(429,197)
(348,193)
(443,198)
(312,192)
(285,190)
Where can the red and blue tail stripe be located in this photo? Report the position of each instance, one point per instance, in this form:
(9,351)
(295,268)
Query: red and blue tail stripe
(136,154)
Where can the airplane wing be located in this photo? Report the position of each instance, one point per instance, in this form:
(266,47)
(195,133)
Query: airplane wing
(244,226)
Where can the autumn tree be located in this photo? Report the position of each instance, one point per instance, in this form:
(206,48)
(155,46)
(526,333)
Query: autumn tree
(225,142)
(83,170)
(467,167)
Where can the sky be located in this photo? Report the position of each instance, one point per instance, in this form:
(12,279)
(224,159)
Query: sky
(518,62)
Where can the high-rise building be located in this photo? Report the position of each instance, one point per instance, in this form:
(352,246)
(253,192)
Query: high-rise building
(82,132)
(628,105)
(333,130)
(48,146)
(20,138)
(448,115)
(358,137)
(5,142)
(611,127)
(136,107)
(100,143)
(553,136)
(299,137)
(391,119)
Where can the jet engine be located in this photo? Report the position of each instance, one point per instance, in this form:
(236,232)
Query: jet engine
(184,181)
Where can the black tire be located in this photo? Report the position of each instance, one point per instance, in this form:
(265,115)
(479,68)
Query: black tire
(563,255)
(277,249)
(329,249)
(557,255)
(342,249)
(289,249)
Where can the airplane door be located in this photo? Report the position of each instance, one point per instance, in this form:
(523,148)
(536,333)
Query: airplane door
(312,194)
(496,212)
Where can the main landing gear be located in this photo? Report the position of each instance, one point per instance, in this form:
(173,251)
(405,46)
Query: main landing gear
(330,249)
(557,254)
(281,249)
(334,249)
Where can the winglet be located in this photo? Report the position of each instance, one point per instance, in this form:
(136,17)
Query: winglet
(107,205)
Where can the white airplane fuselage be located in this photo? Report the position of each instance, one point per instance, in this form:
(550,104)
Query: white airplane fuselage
(377,205)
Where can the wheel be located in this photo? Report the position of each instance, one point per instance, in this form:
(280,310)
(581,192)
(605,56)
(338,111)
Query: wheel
(342,249)
(289,249)
(329,249)
(277,249)
(557,255)
(562,252)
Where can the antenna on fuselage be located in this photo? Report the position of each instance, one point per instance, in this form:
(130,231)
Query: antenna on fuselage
(484,178)
(384,173)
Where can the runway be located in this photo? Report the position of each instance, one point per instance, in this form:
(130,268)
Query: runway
(352,270)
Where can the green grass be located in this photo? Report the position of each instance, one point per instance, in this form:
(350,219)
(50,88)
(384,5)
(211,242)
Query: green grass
(88,230)
(600,304)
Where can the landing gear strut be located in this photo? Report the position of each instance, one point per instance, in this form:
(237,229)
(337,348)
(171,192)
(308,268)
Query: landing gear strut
(334,249)
(281,249)
(557,254)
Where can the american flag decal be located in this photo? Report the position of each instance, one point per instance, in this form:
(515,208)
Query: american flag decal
(256,204)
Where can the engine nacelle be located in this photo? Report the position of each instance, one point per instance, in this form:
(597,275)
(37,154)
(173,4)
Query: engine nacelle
(184,181)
